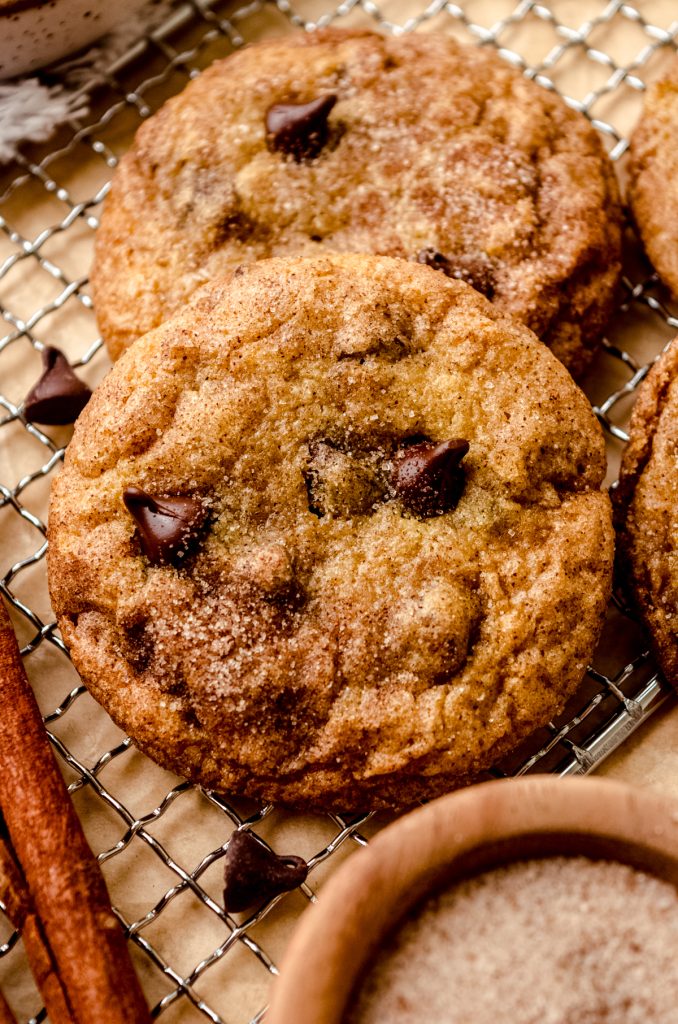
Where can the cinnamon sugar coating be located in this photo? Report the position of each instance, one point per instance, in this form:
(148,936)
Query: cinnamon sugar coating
(325,646)
(653,176)
(646,509)
(549,941)
(431,147)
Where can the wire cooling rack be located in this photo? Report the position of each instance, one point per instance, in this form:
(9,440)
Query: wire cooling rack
(160,840)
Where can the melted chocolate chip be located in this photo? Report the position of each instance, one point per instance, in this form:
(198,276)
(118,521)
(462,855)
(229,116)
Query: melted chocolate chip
(428,478)
(139,644)
(168,527)
(475,269)
(253,874)
(59,396)
(299,129)
(434,259)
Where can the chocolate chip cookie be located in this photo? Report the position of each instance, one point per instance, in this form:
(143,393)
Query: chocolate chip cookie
(653,176)
(646,507)
(333,536)
(346,141)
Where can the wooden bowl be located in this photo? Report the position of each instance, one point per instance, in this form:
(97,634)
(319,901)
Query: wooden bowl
(473,830)
(37,32)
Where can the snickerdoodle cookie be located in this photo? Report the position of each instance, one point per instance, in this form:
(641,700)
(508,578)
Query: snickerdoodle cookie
(653,176)
(347,141)
(333,536)
(646,506)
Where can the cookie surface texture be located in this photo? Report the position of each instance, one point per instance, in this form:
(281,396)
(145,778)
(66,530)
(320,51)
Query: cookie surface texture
(430,151)
(653,176)
(646,509)
(325,640)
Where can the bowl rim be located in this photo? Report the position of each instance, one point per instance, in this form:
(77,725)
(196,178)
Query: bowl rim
(469,831)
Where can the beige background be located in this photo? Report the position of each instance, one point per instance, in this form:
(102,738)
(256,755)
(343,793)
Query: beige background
(186,932)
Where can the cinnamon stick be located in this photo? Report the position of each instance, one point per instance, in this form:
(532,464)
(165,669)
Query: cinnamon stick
(63,878)
(21,913)
(6,1015)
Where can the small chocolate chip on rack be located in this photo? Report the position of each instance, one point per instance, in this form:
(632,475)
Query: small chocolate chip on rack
(428,477)
(59,396)
(299,129)
(253,874)
(168,527)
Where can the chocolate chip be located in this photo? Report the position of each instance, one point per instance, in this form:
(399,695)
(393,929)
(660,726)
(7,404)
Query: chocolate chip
(434,259)
(253,874)
(59,396)
(474,268)
(138,644)
(299,129)
(428,478)
(237,227)
(168,527)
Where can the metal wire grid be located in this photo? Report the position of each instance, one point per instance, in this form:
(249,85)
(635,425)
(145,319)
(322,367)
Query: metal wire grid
(612,705)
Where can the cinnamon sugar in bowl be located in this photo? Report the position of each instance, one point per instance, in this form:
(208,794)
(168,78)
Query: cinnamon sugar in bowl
(534,901)
(537,942)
